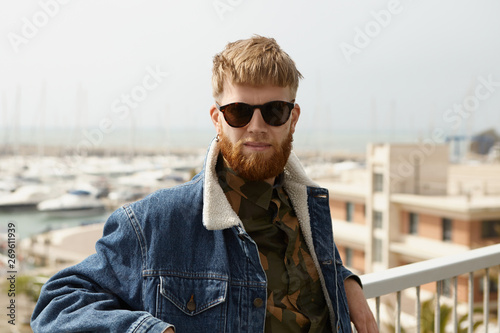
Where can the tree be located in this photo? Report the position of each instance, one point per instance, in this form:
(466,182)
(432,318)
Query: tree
(427,316)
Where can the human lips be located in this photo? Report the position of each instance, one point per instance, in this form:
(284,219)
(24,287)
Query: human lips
(257,146)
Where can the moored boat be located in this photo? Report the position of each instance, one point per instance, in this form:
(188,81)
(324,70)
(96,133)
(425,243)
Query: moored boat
(26,197)
(73,203)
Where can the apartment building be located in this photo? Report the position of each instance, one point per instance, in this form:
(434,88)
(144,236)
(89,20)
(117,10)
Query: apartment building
(409,204)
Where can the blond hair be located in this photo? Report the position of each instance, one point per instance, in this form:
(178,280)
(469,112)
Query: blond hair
(256,61)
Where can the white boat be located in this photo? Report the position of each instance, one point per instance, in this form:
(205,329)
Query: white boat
(73,203)
(27,196)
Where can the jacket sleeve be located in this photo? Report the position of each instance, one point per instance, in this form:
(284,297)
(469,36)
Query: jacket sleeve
(345,273)
(103,292)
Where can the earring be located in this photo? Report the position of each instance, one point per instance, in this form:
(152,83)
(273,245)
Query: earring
(217,138)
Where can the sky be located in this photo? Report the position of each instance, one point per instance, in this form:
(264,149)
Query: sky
(401,66)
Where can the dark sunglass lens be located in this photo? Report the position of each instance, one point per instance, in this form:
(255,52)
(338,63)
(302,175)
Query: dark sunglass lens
(238,114)
(276,113)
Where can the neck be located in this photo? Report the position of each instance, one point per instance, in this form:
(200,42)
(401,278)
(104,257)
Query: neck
(270,180)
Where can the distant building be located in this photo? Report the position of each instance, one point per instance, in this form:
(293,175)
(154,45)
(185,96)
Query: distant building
(409,205)
(483,142)
(494,154)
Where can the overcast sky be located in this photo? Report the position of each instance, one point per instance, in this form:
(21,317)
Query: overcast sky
(399,65)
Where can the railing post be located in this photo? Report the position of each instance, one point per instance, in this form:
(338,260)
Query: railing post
(471,302)
(398,312)
(437,312)
(486,299)
(418,310)
(455,302)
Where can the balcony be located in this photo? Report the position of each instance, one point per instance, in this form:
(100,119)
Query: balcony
(394,291)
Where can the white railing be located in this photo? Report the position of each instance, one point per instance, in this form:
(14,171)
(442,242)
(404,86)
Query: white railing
(437,270)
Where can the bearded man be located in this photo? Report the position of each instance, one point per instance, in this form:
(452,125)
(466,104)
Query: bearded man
(245,246)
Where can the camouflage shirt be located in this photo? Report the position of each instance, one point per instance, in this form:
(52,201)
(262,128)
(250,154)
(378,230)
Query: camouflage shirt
(296,302)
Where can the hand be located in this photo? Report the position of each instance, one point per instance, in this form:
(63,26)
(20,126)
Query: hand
(169,330)
(361,315)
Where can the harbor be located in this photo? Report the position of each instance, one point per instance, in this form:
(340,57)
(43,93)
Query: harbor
(43,195)
(59,209)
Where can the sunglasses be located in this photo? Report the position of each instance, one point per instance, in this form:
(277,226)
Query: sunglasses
(275,113)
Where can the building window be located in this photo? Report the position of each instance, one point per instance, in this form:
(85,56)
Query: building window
(378,182)
(490,229)
(349,211)
(377,220)
(348,256)
(447,227)
(413,230)
(377,250)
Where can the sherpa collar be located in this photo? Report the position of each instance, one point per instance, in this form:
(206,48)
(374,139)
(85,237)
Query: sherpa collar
(218,213)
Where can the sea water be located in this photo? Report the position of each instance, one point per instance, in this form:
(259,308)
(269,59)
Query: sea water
(29,221)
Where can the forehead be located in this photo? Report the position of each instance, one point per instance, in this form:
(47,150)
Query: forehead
(253,94)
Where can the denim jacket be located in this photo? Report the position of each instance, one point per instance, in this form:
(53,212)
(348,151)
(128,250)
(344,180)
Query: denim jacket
(181,257)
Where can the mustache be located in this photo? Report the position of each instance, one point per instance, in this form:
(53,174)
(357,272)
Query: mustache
(258,138)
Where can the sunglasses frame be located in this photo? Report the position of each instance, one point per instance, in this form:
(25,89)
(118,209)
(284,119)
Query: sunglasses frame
(262,108)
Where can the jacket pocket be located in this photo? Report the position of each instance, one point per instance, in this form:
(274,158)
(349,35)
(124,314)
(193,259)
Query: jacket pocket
(192,303)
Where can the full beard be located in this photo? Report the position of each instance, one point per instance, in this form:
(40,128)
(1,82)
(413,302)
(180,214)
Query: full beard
(256,166)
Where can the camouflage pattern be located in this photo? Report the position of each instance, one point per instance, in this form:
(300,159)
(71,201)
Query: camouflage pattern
(296,302)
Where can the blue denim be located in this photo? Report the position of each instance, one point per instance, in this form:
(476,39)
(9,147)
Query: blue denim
(157,266)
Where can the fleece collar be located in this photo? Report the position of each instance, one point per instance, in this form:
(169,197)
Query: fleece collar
(217,211)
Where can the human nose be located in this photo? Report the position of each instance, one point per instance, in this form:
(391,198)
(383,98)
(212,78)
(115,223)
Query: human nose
(257,123)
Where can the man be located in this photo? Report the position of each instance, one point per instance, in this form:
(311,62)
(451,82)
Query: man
(246,246)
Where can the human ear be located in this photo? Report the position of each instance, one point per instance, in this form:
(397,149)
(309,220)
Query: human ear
(295,117)
(215,116)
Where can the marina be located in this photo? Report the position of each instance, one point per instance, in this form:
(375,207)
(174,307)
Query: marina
(46,192)
(59,203)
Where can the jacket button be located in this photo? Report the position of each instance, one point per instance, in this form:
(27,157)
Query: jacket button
(258,302)
(191,305)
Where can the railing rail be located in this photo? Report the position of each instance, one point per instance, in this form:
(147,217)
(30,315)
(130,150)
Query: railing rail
(395,280)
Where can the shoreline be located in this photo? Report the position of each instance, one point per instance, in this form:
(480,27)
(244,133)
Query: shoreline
(31,150)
